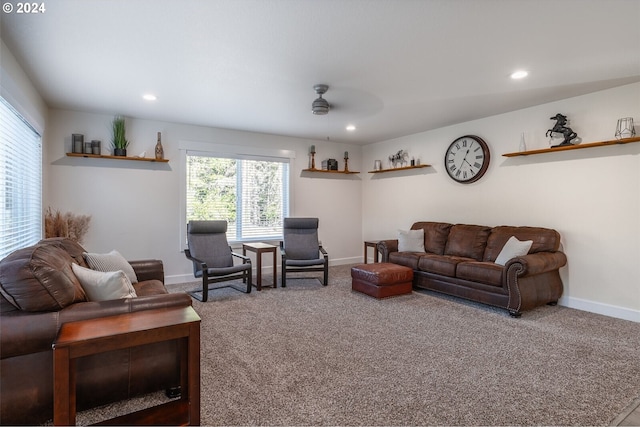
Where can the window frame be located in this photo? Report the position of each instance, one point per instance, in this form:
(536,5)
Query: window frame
(233,152)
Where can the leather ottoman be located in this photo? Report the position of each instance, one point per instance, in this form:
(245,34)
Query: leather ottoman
(382,280)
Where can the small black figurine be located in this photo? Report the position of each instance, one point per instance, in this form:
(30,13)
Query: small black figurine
(559,127)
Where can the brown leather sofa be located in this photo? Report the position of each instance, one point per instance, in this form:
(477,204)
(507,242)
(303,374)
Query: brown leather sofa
(459,260)
(39,279)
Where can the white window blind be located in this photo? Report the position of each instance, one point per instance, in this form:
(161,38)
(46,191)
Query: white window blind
(250,192)
(20,181)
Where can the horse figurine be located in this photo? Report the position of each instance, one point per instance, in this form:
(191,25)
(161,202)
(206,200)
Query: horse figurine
(559,127)
(400,157)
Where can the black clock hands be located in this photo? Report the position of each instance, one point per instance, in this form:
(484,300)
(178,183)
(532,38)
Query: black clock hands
(464,160)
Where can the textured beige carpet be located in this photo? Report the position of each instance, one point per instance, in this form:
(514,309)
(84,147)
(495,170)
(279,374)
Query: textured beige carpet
(314,355)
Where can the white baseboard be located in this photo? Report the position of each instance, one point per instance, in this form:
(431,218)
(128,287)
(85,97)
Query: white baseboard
(345,261)
(182,278)
(601,308)
(179,278)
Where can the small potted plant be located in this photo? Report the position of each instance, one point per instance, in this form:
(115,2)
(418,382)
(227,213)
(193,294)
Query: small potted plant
(119,141)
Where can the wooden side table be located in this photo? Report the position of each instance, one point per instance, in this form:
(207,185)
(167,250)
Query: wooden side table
(371,244)
(87,337)
(259,249)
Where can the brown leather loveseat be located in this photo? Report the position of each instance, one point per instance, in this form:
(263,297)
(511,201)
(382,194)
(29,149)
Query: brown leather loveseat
(39,294)
(460,260)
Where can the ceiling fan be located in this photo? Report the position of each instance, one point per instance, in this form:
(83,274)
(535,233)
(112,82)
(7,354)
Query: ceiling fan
(320,106)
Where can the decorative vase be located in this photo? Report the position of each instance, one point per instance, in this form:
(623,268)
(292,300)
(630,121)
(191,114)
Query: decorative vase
(122,152)
(159,149)
(523,146)
(77,142)
(625,128)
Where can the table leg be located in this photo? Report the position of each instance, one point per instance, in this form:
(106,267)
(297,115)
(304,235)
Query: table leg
(64,388)
(275,270)
(365,253)
(259,275)
(194,374)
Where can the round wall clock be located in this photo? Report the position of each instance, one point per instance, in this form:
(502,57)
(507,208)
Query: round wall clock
(467,159)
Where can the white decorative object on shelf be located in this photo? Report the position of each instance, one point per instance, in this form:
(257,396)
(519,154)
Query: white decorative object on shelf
(625,128)
(523,146)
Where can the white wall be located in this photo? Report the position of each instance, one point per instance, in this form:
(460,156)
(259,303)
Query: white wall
(18,90)
(135,206)
(591,196)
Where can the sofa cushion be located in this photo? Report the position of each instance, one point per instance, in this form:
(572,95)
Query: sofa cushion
(488,273)
(513,248)
(435,235)
(408,259)
(467,241)
(544,240)
(104,286)
(73,248)
(411,240)
(440,264)
(40,278)
(111,261)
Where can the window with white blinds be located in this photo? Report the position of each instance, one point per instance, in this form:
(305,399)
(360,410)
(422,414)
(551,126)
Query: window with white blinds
(20,181)
(251,193)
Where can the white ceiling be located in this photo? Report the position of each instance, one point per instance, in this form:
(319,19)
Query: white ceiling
(393,67)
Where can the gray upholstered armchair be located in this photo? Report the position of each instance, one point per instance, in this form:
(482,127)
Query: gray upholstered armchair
(301,250)
(212,257)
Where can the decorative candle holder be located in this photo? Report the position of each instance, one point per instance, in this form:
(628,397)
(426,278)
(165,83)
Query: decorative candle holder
(312,151)
(625,128)
(77,143)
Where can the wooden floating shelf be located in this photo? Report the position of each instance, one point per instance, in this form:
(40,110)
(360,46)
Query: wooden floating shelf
(573,147)
(328,171)
(100,156)
(404,168)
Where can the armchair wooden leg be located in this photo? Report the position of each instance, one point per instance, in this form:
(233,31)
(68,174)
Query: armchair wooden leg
(205,287)
(284,274)
(326,275)
(249,276)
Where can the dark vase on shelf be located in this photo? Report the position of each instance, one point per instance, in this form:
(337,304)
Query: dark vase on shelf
(120,152)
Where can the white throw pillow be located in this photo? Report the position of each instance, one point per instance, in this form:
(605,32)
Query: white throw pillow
(411,240)
(512,249)
(112,261)
(102,286)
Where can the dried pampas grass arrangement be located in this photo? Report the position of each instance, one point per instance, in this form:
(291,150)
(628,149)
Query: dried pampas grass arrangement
(57,224)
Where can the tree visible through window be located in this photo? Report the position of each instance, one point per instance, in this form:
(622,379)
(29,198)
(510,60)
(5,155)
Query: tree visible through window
(252,195)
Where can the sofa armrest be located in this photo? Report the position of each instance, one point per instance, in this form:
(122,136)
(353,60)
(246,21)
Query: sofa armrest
(385,247)
(540,262)
(245,259)
(533,280)
(24,332)
(148,269)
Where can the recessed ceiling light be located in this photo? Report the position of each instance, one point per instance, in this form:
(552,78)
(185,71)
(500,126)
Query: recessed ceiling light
(520,74)
(149,97)
(351,128)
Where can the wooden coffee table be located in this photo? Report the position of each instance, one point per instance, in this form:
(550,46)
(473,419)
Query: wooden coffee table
(92,336)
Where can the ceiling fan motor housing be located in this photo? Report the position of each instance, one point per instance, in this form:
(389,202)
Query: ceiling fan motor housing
(320,106)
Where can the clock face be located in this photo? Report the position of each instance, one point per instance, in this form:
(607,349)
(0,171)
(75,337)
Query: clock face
(467,159)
